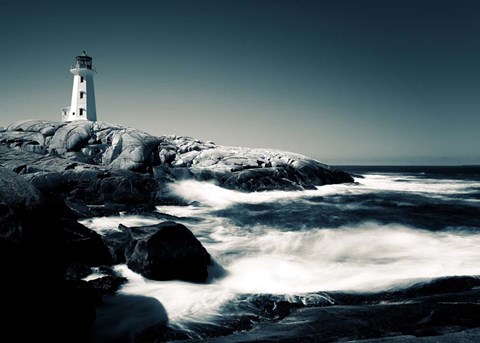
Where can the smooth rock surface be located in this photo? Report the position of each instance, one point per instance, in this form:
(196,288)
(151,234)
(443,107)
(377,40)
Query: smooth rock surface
(112,148)
(164,251)
(79,181)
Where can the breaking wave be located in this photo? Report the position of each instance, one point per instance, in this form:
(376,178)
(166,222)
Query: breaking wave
(280,243)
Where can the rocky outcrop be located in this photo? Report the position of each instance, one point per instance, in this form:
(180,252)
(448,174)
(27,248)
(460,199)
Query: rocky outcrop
(39,240)
(164,251)
(77,181)
(84,246)
(132,150)
(93,143)
(167,251)
(99,158)
(71,137)
(442,310)
(17,198)
(46,225)
(250,170)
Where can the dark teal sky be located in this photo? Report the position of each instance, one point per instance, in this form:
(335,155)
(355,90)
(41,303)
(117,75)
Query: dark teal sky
(341,81)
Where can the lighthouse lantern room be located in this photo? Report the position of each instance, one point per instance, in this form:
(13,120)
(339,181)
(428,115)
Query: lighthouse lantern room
(82,106)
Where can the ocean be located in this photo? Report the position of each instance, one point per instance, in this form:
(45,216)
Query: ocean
(391,228)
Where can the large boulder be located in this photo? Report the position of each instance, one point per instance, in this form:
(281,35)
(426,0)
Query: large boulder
(84,245)
(165,251)
(71,137)
(116,242)
(132,150)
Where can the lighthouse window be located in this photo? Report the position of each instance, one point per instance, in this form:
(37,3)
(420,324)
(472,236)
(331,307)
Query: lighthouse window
(81,111)
(81,95)
(81,78)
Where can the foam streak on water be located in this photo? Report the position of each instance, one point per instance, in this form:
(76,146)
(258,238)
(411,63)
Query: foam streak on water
(264,257)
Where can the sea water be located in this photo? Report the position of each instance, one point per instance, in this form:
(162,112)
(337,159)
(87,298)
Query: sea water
(394,226)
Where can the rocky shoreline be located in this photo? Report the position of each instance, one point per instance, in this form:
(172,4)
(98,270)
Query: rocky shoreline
(441,310)
(99,163)
(52,174)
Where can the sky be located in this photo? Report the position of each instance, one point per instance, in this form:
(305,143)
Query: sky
(345,82)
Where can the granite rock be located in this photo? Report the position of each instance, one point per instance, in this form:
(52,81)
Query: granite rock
(112,158)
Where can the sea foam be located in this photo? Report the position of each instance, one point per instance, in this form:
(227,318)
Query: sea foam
(270,257)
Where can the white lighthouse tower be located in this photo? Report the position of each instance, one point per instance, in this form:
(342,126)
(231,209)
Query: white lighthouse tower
(82,106)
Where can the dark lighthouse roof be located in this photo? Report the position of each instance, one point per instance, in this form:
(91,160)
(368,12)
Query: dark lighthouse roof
(84,56)
(83,61)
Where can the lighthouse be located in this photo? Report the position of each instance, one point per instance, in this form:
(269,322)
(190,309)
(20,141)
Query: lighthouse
(82,106)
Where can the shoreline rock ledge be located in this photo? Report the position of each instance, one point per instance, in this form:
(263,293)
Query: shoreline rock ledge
(97,162)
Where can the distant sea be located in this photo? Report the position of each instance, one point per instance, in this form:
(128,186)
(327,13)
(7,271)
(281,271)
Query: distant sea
(393,227)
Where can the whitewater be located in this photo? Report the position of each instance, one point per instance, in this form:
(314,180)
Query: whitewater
(385,231)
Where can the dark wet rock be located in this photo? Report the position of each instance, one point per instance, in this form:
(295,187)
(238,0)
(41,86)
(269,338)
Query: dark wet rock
(108,189)
(49,182)
(441,310)
(441,289)
(260,180)
(77,271)
(123,318)
(443,285)
(51,312)
(345,323)
(17,199)
(83,210)
(64,312)
(35,232)
(274,308)
(166,251)
(116,241)
(84,245)
(108,284)
(161,333)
